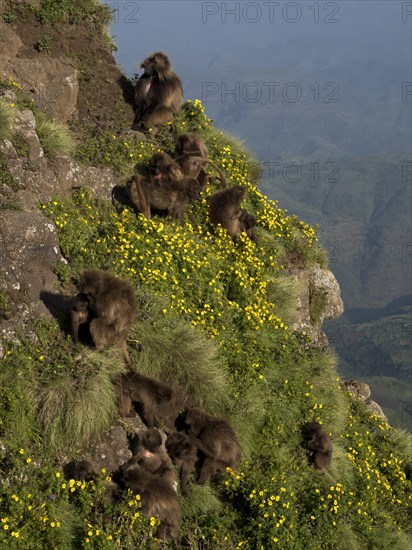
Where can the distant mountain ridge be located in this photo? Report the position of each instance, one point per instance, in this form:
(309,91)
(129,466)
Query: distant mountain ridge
(363,207)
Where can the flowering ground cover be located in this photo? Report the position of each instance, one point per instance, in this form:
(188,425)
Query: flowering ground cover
(213,317)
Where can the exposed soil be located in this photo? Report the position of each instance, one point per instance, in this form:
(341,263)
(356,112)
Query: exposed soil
(105,95)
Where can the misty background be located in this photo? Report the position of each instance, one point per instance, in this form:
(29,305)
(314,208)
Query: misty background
(321,92)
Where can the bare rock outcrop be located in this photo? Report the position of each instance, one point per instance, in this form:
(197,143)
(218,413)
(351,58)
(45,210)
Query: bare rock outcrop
(25,123)
(10,42)
(363,392)
(29,253)
(29,247)
(112,450)
(39,178)
(319,299)
(52,81)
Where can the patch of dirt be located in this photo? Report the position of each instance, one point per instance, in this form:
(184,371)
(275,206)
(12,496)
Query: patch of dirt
(105,94)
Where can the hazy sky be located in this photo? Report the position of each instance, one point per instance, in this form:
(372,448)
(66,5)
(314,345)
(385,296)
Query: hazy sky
(197,32)
(363,47)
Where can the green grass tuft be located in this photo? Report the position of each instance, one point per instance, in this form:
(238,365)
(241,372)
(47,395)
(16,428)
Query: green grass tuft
(17,405)
(247,416)
(54,136)
(385,538)
(177,353)
(200,500)
(75,407)
(402,441)
(7,114)
(283,291)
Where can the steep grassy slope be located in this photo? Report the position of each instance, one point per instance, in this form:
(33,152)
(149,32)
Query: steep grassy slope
(208,327)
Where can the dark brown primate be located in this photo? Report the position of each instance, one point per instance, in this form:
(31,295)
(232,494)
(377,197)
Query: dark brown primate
(185,452)
(113,305)
(148,393)
(191,145)
(79,314)
(80,471)
(158,498)
(319,445)
(192,155)
(217,438)
(158,93)
(165,189)
(150,453)
(247,223)
(164,169)
(147,194)
(224,209)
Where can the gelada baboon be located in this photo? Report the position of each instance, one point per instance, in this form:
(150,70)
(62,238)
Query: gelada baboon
(192,155)
(319,445)
(80,314)
(247,223)
(149,393)
(150,453)
(185,452)
(191,145)
(113,305)
(165,169)
(224,209)
(80,471)
(158,498)
(219,440)
(174,196)
(158,93)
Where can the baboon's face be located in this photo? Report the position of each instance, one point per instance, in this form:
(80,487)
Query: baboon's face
(89,288)
(158,165)
(248,220)
(195,420)
(155,64)
(188,145)
(80,303)
(151,440)
(149,66)
(163,166)
(184,145)
(239,194)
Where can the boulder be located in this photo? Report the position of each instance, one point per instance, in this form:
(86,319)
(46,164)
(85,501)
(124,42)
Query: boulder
(25,123)
(363,392)
(319,298)
(53,83)
(29,251)
(10,42)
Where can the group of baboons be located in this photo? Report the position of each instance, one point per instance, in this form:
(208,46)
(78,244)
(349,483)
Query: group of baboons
(198,442)
(105,309)
(174,183)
